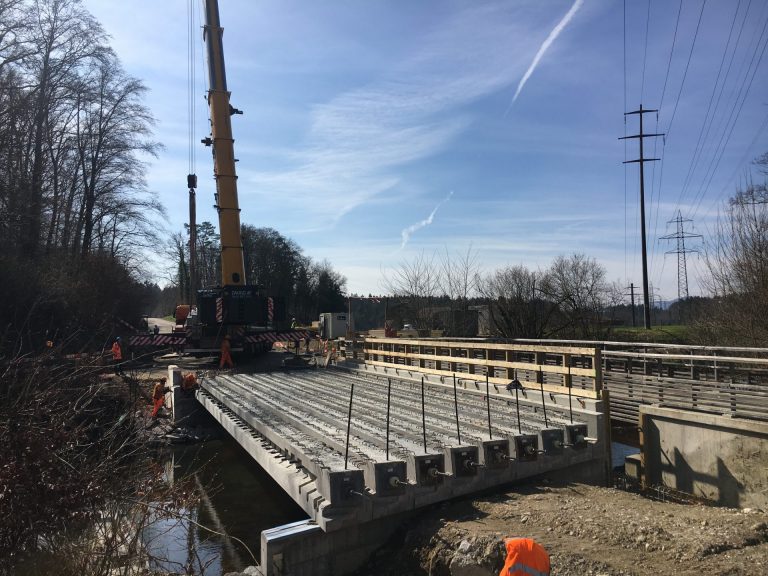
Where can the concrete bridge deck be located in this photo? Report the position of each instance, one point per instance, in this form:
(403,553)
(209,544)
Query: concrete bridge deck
(404,424)
(395,450)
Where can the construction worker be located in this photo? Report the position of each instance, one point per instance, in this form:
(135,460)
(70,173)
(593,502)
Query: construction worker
(294,324)
(189,383)
(158,396)
(226,357)
(156,330)
(525,558)
(117,355)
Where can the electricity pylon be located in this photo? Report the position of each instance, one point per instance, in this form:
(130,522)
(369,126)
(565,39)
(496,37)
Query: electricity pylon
(682,269)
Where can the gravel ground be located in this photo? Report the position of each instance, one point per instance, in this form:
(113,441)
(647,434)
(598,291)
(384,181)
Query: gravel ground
(587,530)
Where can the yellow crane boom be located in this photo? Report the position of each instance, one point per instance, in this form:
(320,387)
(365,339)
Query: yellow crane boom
(232,262)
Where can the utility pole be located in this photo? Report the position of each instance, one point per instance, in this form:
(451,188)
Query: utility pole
(632,296)
(682,269)
(192,184)
(642,160)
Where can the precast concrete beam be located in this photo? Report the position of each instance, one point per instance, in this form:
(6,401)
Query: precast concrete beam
(551,441)
(462,461)
(343,487)
(576,435)
(426,469)
(494,454)
(525,447)
(388,478)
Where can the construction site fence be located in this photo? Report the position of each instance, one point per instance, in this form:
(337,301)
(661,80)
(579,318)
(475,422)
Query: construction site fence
(730,381)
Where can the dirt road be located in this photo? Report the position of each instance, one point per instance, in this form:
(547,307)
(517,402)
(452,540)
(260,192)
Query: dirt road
(587,530)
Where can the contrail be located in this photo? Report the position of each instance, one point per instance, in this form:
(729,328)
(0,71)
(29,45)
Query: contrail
(545,46)
(406,233)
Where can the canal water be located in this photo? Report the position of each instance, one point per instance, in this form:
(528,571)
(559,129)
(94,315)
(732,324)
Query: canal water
(239,501)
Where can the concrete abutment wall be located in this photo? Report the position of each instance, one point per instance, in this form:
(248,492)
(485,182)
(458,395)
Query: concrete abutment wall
(714,457)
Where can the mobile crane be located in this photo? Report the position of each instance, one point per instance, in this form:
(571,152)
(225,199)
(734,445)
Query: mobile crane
(252,320)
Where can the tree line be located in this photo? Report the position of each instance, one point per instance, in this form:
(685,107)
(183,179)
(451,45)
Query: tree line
(573,299)
(273,262)
(75,210)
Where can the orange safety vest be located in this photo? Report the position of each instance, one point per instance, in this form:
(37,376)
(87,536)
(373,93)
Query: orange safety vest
(525,558)
(158,392)
(117,353)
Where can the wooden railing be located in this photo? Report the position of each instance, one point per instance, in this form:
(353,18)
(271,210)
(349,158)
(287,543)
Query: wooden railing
(719,380)
(553,368)
(721,384)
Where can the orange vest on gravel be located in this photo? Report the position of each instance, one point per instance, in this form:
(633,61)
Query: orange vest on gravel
(525,558)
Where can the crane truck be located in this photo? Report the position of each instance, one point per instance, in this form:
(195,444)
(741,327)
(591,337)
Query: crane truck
(252,320)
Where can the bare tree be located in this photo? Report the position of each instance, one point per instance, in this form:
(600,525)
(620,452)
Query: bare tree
(14,29)
(458,281)
(113,132)
(737,260)
(515,306)
(417,285)
(65,37)
(577,286)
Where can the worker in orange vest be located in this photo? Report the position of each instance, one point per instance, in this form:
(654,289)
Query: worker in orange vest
(525,558)
(117,355)
(189,383)
(158,397)
(226,357)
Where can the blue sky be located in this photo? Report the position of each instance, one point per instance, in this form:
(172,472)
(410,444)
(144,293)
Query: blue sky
(364,118)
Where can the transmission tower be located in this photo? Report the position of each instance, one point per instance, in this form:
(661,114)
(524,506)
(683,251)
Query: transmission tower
(682,269)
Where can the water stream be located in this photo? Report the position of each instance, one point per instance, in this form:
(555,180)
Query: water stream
(239,501)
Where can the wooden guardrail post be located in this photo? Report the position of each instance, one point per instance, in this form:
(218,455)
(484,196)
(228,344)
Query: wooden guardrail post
(597,364)
(567,378)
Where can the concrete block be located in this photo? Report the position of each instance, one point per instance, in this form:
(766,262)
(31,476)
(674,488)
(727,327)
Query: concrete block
(633,467)
(551,440)
(293,548)
(462,460)
(525,446)
(342,487)
(495,454)
(386,478)
(426,469)
(576,436)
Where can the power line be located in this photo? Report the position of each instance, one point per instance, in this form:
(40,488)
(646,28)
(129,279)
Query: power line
(645,51)
(661,107)
(626,227)
(720,150)
(685,74)
(679,93)
(699,148)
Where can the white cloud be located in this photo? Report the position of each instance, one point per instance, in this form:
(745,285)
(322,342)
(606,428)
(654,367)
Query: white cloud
(359,141)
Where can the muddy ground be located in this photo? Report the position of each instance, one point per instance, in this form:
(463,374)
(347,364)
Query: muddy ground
(587,530)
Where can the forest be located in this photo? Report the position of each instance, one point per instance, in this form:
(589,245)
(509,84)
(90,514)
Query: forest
(76,215)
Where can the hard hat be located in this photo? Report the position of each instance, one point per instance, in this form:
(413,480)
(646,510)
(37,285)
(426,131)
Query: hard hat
(117,339)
